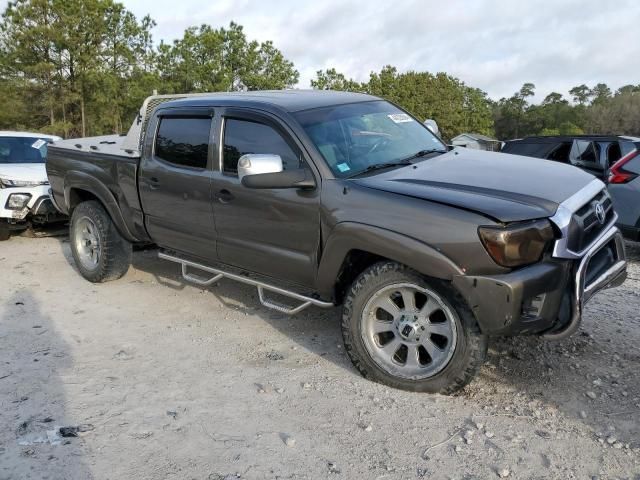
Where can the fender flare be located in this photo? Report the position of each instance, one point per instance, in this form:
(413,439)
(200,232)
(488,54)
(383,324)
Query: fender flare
(348,236)
(85,182)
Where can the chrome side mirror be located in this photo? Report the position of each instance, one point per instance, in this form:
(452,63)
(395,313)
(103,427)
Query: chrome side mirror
(256,163)
(432,126)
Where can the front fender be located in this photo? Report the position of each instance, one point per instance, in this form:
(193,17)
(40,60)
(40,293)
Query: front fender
(348,236)
(90,184)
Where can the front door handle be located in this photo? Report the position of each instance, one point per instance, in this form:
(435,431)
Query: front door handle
(154,183)
(225,196)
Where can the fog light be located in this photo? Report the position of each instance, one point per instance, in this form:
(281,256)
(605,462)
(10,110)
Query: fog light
(18,201)
(531,307)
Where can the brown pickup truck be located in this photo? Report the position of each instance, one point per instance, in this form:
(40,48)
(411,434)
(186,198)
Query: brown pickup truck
(330,198)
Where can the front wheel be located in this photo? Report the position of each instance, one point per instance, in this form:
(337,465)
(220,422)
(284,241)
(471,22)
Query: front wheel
(99,251)
(409,333)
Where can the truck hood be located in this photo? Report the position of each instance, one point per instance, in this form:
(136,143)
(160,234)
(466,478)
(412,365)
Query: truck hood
(504,187)
(25,172)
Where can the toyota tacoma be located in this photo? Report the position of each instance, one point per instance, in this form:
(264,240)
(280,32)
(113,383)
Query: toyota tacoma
(328,198)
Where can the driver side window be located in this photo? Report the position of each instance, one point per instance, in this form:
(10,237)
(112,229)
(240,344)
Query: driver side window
(244,136)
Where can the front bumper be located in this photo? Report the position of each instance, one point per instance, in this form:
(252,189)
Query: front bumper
(547,297)
(603,266)
(39,208)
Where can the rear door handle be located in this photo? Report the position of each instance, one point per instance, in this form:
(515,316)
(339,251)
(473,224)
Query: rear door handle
(225,196)
(154,183)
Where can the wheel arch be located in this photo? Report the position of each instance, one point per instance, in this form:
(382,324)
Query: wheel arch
(80,187)
(352,247)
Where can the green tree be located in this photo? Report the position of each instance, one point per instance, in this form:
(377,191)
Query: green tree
(126,61)
(554,113)
(510,114)
(30,52)
(619,115)
(456,107)
(330,79)
(628,89)
(206,59)
(520,101)
(75,59)
(600,93)
(581,94)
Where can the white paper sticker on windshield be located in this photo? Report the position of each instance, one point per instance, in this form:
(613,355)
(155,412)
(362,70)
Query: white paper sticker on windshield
(343,167)
(400,118)
(38,144)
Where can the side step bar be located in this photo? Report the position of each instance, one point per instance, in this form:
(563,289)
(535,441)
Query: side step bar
(261,286)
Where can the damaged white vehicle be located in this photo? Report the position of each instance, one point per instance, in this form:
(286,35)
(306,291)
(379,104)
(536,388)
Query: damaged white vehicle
(24,187)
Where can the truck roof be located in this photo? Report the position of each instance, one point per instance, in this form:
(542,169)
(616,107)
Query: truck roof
(287,100)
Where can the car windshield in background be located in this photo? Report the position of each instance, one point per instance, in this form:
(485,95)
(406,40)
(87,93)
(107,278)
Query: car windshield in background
(354,138)
(23,150)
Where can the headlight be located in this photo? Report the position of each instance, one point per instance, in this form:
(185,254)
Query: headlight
(517,244)
(5,182)
(17,201)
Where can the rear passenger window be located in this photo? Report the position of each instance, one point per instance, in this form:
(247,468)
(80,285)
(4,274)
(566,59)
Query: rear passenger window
(242,137)
(584,151)
(183,141)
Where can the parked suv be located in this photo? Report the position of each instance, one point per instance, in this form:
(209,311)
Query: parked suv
(24,188)
(613,159)
(345,199)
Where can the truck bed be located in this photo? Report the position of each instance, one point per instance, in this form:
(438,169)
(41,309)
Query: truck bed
(105,144)
(98,165)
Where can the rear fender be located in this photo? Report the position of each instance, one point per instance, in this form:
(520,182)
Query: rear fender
(78,181)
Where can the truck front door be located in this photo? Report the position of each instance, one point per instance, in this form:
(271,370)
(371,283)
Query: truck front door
(175,181)
(274,232)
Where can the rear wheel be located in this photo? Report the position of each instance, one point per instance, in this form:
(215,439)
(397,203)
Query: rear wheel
(409,333)
(99,251)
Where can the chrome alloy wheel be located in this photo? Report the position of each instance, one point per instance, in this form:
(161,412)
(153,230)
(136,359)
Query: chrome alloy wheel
(409,331)
(87,242)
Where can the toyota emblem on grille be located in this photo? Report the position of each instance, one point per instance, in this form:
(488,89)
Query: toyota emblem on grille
(600,213)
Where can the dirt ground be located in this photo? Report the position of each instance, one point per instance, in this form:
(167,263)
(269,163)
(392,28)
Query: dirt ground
(172,381)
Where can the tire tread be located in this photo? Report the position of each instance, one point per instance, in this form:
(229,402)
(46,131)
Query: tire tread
(115,250)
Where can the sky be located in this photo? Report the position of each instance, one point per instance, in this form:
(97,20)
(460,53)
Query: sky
(494,45)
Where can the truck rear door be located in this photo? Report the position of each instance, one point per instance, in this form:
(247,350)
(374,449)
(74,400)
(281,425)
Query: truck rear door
(175,181)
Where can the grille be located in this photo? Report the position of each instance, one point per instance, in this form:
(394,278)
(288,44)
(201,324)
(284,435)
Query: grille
(586,226)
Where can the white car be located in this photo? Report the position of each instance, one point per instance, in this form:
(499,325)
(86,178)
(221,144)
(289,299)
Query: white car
(24,187)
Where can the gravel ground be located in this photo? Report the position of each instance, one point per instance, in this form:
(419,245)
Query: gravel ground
(166,380)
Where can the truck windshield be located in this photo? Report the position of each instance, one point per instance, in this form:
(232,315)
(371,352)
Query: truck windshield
(23,150)
(354,138)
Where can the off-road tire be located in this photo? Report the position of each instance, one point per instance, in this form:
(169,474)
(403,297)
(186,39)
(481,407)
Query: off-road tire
(115,257)
(471,347)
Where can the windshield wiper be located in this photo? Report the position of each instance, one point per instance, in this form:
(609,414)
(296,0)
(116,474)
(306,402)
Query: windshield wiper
(423,153)
(398,163)
(381,166)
